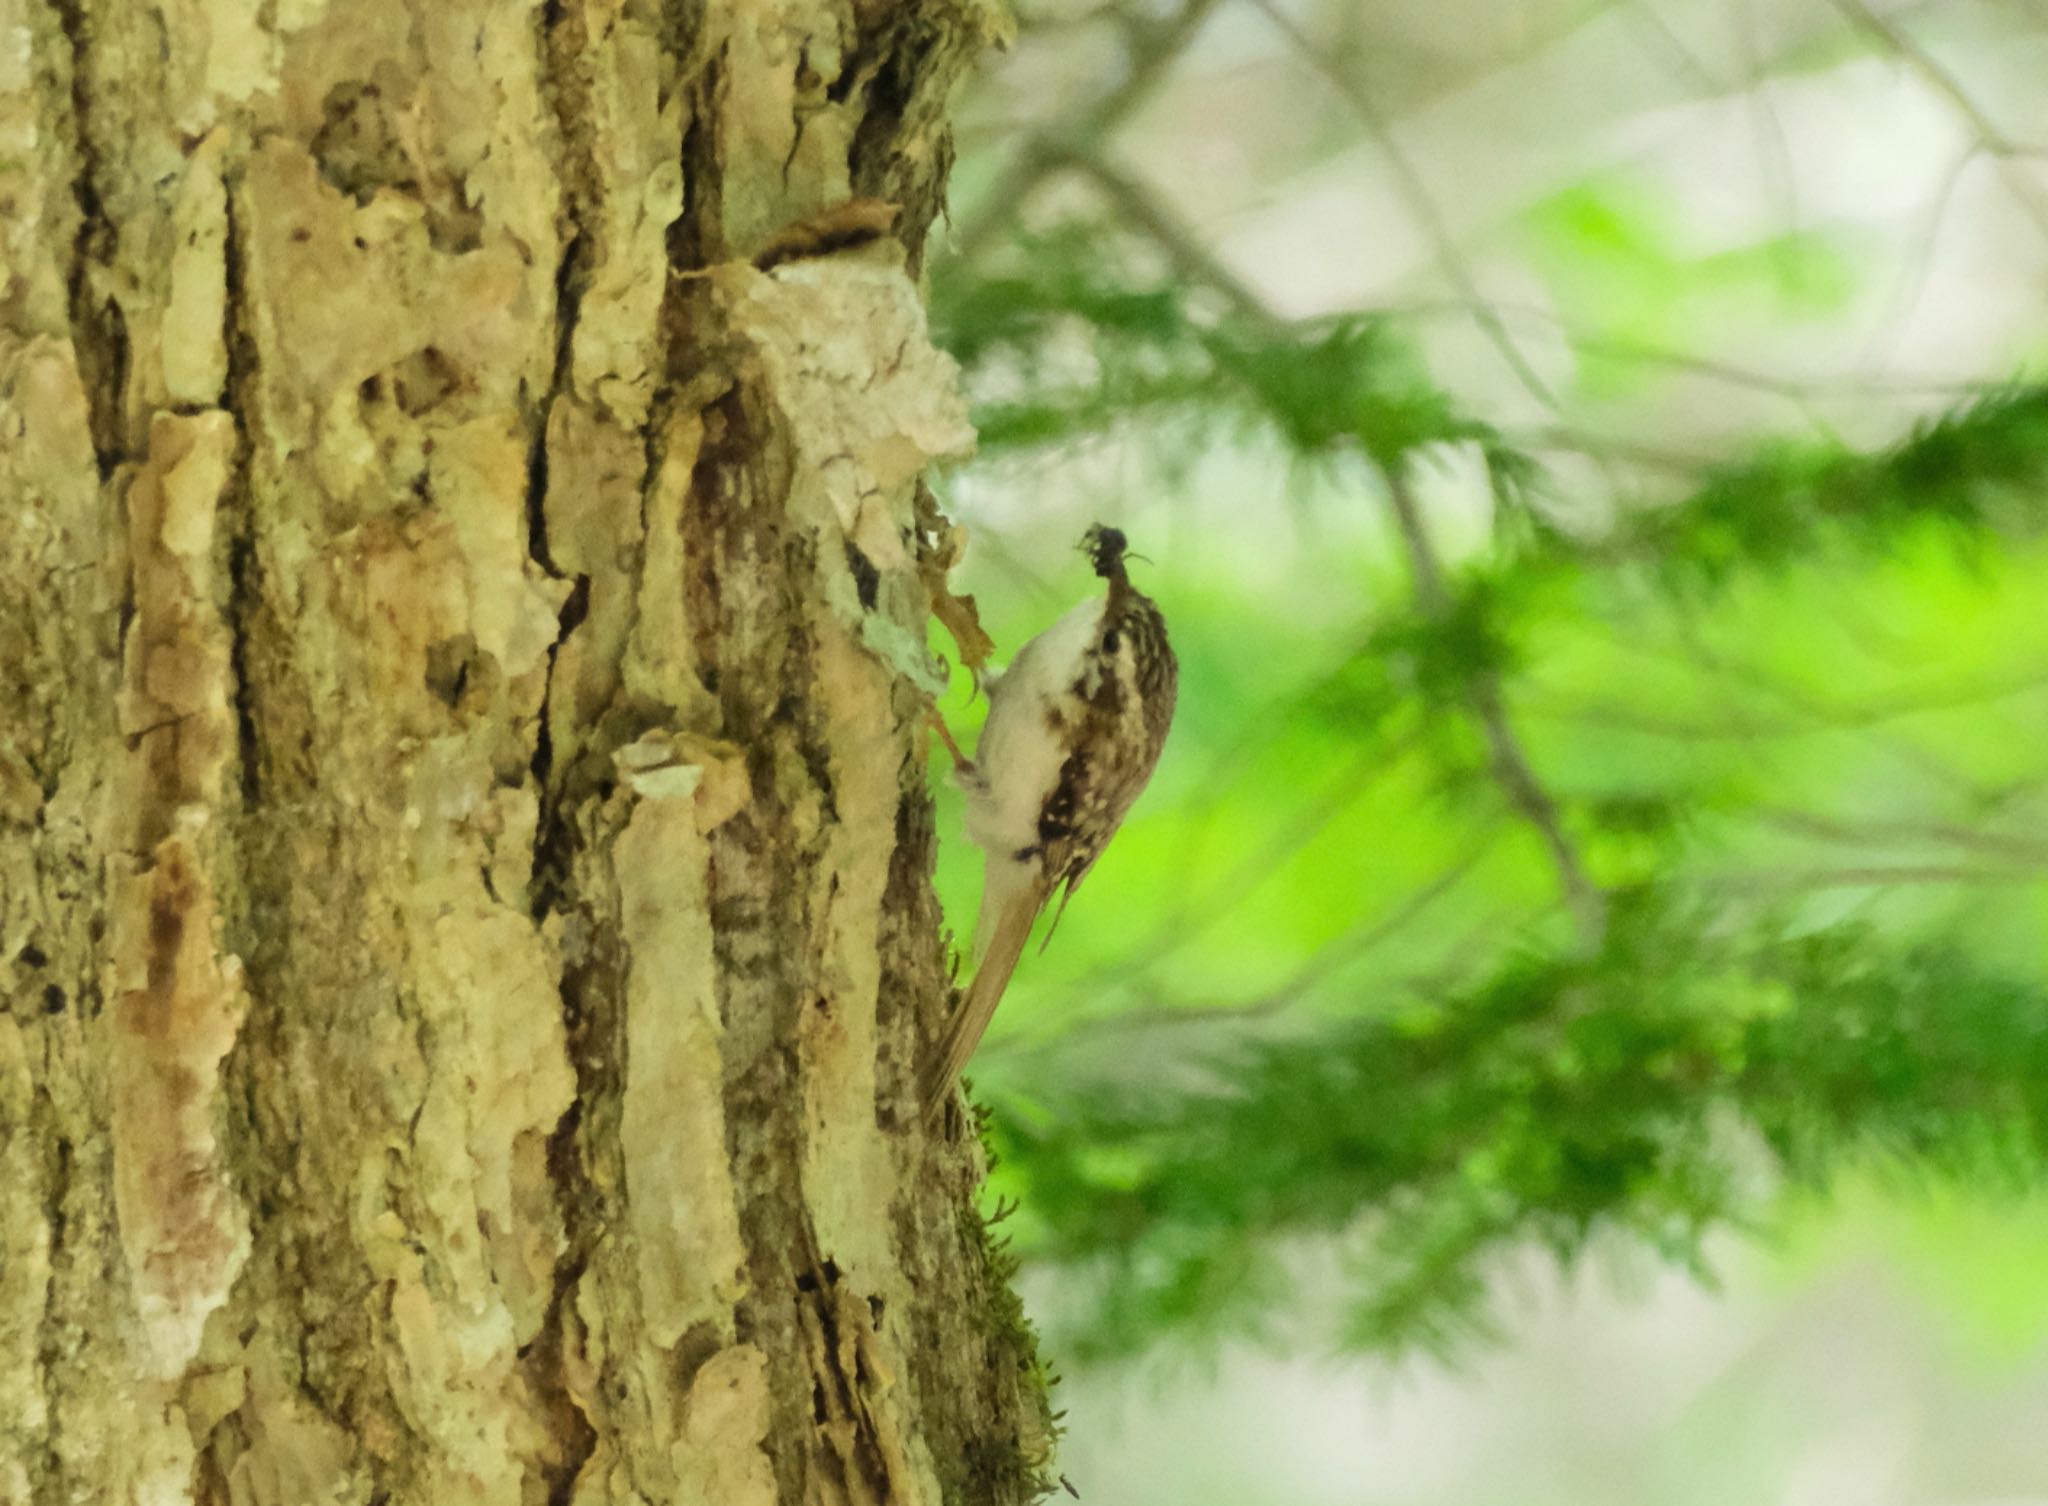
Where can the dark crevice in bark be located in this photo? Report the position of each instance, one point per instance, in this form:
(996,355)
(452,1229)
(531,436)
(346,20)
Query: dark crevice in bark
(799,706)
(698,1345)
(661,412)
(723,447)
(867,580)
(244,596)
(543,1358)
(49,1338)
(554,839)
(554,836)
(590,987)
(261,1111)
(682,23)
(571,275)
(561,1483)
(99,333)
(694,239)
(218,1453)
(736,532)
(255,907)
(902,151)
(912,950)
(844,1442)
(242,612)
(558,75)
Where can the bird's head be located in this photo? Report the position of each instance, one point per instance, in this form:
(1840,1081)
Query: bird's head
(1105,548)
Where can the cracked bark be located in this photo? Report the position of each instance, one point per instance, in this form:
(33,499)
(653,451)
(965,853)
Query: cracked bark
(466,933)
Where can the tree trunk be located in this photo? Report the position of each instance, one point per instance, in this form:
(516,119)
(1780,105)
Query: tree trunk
(465,915)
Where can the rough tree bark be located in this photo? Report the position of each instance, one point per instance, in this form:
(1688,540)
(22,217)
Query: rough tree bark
(466,932)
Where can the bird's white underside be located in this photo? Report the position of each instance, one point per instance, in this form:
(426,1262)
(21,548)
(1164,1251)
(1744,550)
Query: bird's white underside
(1018,758)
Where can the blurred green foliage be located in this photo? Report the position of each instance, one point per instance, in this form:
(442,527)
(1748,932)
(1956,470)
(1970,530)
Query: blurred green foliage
(1607,255)
(1787,729)
(1638,1090)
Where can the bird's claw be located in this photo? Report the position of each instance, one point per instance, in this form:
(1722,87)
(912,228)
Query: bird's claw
(937,723)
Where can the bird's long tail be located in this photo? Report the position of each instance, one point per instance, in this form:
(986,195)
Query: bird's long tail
(1007,913)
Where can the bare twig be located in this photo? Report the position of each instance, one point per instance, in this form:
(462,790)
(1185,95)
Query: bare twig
(1917,265)
(1421,202)
(1935,696)
(1677,59)
(1737,715)
(1696,650)
(1815,714)
(1774,152)
(1944,83)
(1794,389)
(1152,51)
(1937,77)
(2009,846)
(1780,880)
(1191,918)
(1167,231)
(1338,954)
(1558,438)
(1510,764)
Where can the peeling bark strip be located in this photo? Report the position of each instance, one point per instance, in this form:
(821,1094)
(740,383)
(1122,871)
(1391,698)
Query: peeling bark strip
(176,1008)
(461,667)
(177,1000)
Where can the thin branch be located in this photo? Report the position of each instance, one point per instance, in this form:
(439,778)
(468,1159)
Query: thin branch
(1737,717)
(1839,711)
(1343,953)
(1677,59)
(1699,652)
(1338,954)
(1421,203)
(1937,77)
(1818,715)
(2010,847)
(1559,439)
(1944,83)
(1797,390)
(1171,234)
(1774,152)
(1918,263)
(1630,718)
(1777,879)
(1191,918)
(1510,764)
(1153,50)
(1032,23)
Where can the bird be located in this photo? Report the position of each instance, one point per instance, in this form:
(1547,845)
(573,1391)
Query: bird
(1075,727)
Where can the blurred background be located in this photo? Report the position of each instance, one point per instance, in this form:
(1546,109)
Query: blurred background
(1567,1022)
